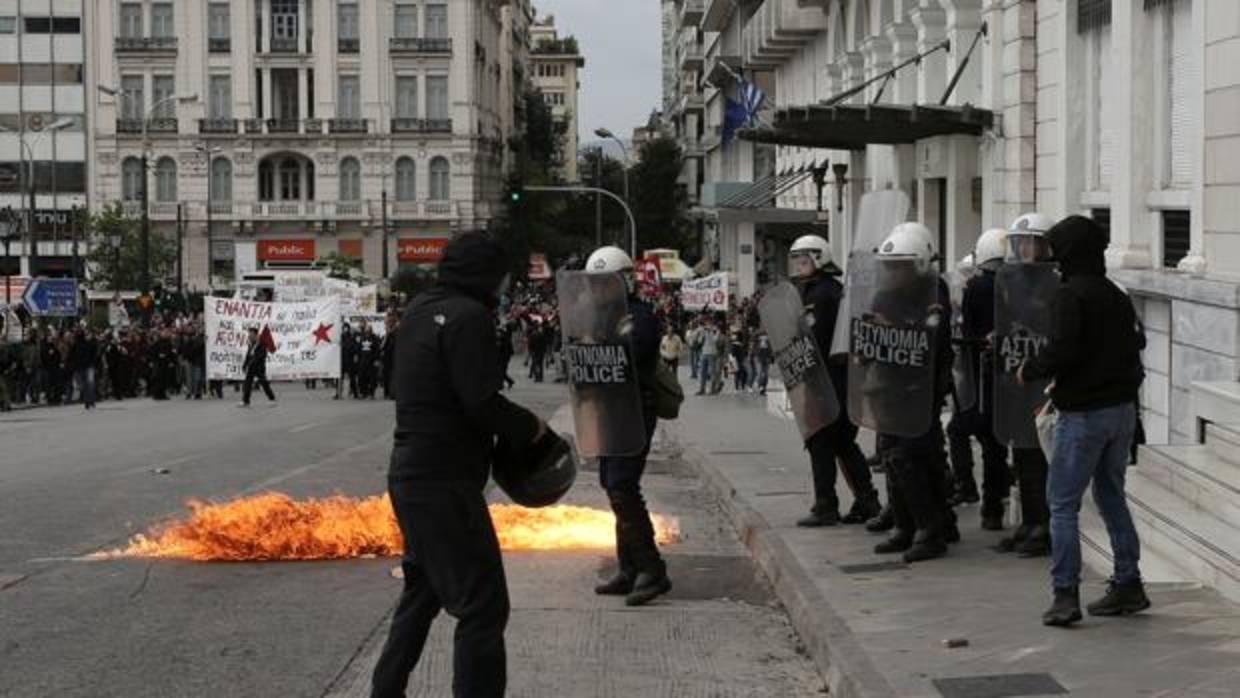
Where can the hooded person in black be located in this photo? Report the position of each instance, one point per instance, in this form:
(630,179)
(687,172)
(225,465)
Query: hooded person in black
(449,411)
(1094,358)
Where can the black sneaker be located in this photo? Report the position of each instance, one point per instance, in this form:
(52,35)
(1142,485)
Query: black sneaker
(1065,609)
(619,585)
(927,549)
(820,519)
(899,542)
(646,588)
(1120,600)
(1037,544)
(885,521)
(1009,544)
(862,510)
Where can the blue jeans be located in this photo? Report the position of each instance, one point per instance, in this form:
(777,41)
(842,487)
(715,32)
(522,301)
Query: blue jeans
(694,356)
(1092,445)
(86,385)
(706,372)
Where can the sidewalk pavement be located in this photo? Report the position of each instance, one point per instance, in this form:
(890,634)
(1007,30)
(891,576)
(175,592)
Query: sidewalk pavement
(965,626)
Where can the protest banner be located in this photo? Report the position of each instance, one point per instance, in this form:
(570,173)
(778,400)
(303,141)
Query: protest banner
(709,293)
(377,322)
(306,335)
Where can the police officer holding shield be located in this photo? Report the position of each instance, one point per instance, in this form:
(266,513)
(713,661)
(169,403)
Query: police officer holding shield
(612,376)
(1025,287)
(835,443)
(899,375)
(978,323)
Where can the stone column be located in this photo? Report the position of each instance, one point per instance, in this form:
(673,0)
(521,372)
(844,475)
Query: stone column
(1131,219)
(932,78)
(1218,124)
(265,29)
(964,18)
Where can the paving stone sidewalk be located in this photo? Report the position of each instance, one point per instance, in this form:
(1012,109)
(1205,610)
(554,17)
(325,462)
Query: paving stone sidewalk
(965,626)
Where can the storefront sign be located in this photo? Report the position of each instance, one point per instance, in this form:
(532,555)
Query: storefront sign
(421,250)
(286,250)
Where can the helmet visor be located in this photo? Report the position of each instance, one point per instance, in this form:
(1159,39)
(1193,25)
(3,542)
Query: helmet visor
(802,264)
(1028,248)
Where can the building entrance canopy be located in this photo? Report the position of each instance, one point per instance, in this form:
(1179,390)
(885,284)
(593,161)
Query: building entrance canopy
(854,126)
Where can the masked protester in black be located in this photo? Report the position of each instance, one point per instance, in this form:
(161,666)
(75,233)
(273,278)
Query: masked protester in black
(821,293)
(449,411)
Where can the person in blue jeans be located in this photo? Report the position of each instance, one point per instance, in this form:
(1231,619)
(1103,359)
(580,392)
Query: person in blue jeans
(709,357)
(1094,358)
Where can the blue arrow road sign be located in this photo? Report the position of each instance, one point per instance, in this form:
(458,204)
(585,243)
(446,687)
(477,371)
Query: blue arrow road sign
(58,297)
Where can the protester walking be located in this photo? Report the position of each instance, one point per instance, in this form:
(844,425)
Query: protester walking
(255,367)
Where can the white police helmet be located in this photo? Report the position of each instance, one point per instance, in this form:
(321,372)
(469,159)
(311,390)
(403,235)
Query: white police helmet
(815,247)
(609,259)
(966,264)
(909,241)
(1026,239)
(1032,224)
(991,246)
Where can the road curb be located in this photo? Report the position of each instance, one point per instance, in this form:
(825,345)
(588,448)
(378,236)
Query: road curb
(848,670)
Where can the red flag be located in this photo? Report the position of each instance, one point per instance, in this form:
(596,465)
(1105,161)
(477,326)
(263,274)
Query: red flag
(267,340)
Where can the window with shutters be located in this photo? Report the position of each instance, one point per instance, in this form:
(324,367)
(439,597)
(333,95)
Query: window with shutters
(163,93)
(161,20)
(220,97)
(347,27)
(131,179)
(166,180)
(349,97)
(406,97)
(221,179)
(1177,233)
(440,172)
(436,21)
(1181,74)
(133,97)
(131,20)
(350,180)
(1103,108)
(437,97)
(406,179)
(219,26)
(406,21)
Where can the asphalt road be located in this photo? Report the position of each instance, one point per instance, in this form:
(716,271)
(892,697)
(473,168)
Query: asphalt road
(73,483)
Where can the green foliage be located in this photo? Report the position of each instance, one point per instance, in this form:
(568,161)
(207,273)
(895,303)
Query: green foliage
(410,280)
(659,202)
(566,46)
(123,271)
(341,266)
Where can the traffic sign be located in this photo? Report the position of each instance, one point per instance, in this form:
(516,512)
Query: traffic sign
(55,297)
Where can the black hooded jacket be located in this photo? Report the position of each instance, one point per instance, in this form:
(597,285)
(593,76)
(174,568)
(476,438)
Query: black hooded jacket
(1094,355)
(447,373)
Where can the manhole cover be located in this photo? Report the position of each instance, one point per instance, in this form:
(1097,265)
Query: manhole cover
(999,686)
(709,577)
(871,567)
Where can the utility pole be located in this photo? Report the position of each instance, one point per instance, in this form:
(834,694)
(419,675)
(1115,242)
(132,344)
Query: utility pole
(180,250)
(598,198)
(384,231)
(144,242)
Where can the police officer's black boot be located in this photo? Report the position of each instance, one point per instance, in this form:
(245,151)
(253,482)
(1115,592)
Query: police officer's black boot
(651,580)
(824,513)
(863,509)
(886,519)
(621,583)
(926,505)
(1032,469)
(903,526)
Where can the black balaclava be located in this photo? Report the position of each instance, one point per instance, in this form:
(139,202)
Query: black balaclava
(474,264)
(1079,245)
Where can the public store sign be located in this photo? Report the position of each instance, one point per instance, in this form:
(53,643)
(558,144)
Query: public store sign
(307,338)
(421,250)
(286,250)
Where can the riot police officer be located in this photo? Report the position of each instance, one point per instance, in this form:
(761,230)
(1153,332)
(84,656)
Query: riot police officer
(1024,290)
(978,323)
(821,293)
(642,574)
(449,413)
(899,377)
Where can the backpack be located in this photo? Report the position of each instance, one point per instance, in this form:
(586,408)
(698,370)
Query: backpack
(668,395)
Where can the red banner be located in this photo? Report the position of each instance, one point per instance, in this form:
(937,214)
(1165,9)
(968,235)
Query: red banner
(421,250)
(286,250)
(351,248)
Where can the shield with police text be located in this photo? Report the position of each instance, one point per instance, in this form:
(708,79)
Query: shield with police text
(879,213)
(891,359)
(606,400)
(1023,297)
(965,378)
(804,373)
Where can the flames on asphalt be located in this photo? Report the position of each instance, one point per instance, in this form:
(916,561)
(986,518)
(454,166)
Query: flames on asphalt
(274,526)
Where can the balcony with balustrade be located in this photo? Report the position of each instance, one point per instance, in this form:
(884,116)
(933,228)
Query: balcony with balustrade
(691,12)
(420,45)
(146,44)
(348,125)
(424,126)
(217,126)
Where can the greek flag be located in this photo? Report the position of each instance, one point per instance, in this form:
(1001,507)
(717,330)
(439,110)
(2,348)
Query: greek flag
(751,98)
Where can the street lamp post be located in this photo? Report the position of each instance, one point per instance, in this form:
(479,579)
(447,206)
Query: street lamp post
(27,155)
(114,240)
(8,234)
(574,189)
(606,133)
(145,241)
(209,153)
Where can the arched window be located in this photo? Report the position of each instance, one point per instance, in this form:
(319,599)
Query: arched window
(266,181)
(221,179)
(131,179)
(166,180)
(440,171)
(350,180)
(406,180)
(290,180)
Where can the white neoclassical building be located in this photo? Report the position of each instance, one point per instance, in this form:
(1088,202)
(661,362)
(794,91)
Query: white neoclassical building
(556,65)
(297,119)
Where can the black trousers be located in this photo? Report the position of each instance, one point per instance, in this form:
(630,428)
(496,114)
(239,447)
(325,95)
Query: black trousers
(452,562)
(917,476)
(250,378)
(1031,474)
(832,448)
(636,550)
(996,481)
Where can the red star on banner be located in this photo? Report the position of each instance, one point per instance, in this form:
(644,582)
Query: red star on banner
(323,334)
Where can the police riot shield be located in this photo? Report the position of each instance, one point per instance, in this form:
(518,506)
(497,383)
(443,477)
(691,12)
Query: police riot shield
(606,400)
(895,315)
(965,377)
(880,211)
(800,362)
(1023,296)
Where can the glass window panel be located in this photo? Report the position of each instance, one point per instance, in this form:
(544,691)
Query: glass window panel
(221,179)
(131,20)
(131,179)
(350,97)
(166,180)
(350,180)
(8,25)
(133,98)
(163,93)
(440,189)
(437,97)
(437,21)
(406,180)
(220,21)
(347,12)
(161,20)
(407,97)
(221,97)
(406,21)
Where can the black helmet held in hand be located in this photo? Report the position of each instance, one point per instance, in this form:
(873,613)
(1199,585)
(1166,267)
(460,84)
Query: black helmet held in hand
(537,475)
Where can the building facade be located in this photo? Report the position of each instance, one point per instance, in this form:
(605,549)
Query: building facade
(43,121)
(281,131)
(555,70)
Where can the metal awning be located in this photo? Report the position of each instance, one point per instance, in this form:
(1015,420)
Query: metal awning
(762,194)
(854,126)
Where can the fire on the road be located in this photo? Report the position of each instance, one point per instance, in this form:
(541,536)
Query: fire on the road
(274,526)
